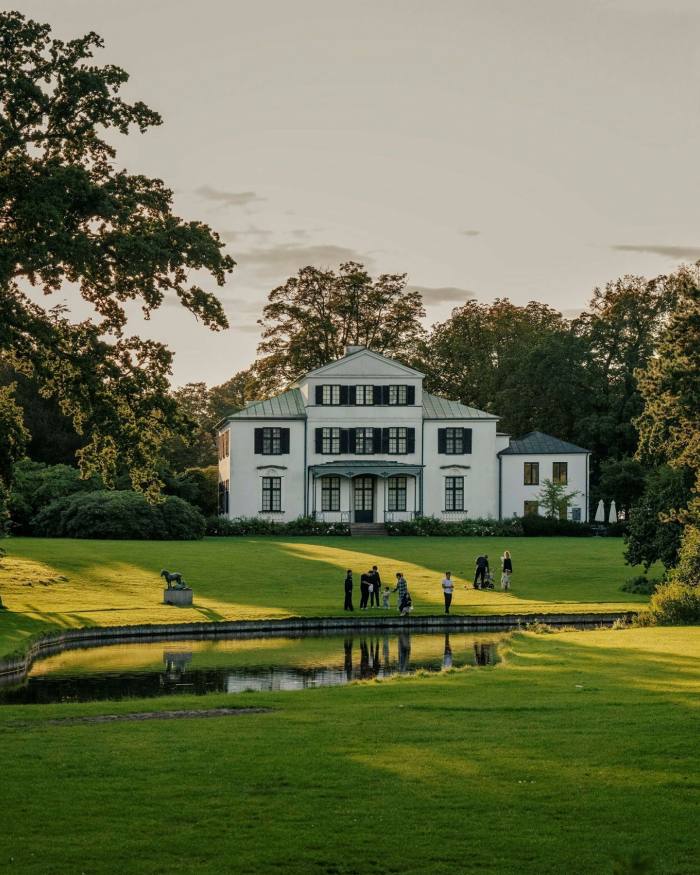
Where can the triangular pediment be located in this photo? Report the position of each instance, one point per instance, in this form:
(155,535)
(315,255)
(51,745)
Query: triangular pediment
(364,363)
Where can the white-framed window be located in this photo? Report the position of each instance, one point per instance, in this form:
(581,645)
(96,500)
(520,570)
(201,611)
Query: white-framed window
(576,514)
(398,394)
(364,441)
(330,493)
(397,441)
(272,494)
(364,395)
(330,440)
(397,489)
(330,395)
(454,493)
(272,441)
(560,473)
(531,473)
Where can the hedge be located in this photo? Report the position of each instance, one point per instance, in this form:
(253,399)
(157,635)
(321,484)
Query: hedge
(432,526)
(119,515)
(224,527)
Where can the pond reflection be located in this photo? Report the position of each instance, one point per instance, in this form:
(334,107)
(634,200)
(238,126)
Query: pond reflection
(235,665)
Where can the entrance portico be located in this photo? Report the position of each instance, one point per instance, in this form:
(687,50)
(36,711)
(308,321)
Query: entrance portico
(365,492)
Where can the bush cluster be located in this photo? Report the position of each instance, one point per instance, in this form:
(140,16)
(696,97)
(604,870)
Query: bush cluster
(431,526)
(119,515)
(641,584)
(535,526)
(224,527)
(675,604)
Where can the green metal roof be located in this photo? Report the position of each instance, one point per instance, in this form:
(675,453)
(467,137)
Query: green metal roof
(354,468)
(440,408)
(537,442)
(288,405)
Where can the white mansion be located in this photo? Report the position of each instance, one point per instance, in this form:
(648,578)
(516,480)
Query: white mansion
(359,440)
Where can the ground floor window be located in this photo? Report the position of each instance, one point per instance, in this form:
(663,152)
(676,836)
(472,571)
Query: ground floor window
(532,508)
(397,493)
(223,496)
(272,493)
(330,493)
(576,514)
(454,493)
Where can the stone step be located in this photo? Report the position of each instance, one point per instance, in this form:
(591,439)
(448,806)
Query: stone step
(364,529)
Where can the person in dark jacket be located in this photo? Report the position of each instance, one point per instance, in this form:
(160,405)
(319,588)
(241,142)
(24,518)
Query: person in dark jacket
(482,566)
(365,580)
(348,592)
(376,586)
(506,570)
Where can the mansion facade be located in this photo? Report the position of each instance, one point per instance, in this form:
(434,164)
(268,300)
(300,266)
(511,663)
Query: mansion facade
(360,441)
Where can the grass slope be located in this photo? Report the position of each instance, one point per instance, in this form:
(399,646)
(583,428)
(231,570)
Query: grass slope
(116,582)
(576,752)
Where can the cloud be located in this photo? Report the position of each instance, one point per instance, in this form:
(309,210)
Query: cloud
(679,253)
(228,198)
(285,259)
(443,294)
(247,328)
(471,233)
(251,231)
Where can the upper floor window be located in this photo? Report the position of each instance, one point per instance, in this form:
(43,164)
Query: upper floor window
(560,473)
(364,441)
(330,394)
(398,394)
(398,441)
(223,444)
(272,441)
(454,441)
(364,395)
(330,440)
(531,474)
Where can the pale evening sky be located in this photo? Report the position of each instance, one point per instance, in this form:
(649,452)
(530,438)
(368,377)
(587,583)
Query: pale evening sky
(488,149)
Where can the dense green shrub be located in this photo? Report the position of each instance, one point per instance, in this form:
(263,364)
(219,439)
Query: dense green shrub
(118,515)
(617,529)
(222,526)
(35,485)
(432,526)
(535,526)
(641,585)
(675,604)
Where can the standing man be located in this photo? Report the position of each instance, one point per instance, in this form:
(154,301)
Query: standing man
(376,586)
(364,590)
(447,590)
(348,592)
(482,566)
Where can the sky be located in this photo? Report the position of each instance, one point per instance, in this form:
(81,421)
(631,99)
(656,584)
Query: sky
(487,148)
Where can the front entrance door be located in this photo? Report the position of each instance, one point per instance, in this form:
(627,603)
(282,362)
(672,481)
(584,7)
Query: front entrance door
(364,499)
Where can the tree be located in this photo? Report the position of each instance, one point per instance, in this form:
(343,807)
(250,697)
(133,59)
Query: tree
(309,320)
(669,425)
(554,499)
(621,481)
(13,439)
(68,215)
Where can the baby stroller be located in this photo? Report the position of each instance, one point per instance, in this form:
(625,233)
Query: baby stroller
(406,605)
(488,581)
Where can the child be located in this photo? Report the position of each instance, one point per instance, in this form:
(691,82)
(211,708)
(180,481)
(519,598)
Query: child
(386,592)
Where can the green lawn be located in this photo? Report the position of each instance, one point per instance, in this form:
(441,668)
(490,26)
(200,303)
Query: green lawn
(117,582)
(577,754)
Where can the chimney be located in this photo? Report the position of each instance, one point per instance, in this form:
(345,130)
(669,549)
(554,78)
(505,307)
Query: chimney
(350,349)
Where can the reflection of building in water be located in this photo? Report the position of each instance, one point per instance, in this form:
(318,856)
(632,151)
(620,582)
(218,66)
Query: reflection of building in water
(404,652)
(447,655)
(482,654)
(175,664)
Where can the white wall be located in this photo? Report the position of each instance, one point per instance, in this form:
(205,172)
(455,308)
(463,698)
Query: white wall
(515,493)
(479,469)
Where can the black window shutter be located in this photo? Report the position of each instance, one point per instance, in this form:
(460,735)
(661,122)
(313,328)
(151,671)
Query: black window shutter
(284,441)
(319,440)
(410,440)
(344,440)
(344,394)
(319,394)
(385,394)
(377,390)
(467,439)
(352,440)
(385,440)
(410,394)
(376,440)
(352,394)
(442,440)
(258,440)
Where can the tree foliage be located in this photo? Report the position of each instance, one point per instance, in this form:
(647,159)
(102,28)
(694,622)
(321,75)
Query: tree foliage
(68,215)
(554,499)
(309,320)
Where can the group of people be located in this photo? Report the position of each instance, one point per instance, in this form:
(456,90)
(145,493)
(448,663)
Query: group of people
(371,585)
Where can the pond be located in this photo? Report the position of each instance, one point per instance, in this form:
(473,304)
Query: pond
(240,664)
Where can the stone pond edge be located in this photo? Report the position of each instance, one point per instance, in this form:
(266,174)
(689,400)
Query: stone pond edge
(15,667)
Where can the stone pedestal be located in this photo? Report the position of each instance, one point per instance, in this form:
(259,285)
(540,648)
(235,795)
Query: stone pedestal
(180,597)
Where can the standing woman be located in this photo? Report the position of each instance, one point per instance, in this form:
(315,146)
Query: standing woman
(506,570)
(348,592)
